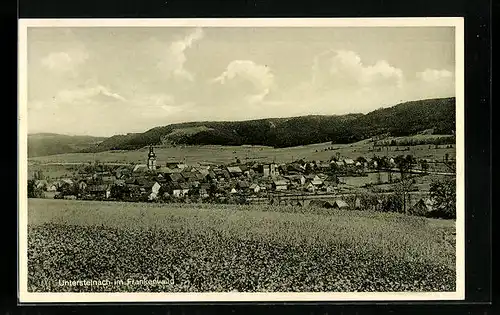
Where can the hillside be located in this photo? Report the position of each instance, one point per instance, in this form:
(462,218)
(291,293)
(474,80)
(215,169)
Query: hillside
(400,120)
(42,144)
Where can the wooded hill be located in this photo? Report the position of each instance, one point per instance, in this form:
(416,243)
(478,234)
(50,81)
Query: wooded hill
(400,120)
(42,144)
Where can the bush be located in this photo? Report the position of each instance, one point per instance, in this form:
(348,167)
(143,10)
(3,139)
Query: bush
(443,193)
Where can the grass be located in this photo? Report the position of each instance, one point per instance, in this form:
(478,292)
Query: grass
(225,154)
(235,248)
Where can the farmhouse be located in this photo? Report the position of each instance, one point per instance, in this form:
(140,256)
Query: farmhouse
(175,178)
(340,204)
(52,187)
(102,191)
(41,184)
(179,189)
(235,171)
(280,184)
(255,188)
(422,207)
(349,162)
(140,168)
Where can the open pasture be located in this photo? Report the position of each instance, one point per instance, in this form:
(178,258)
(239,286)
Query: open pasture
(225,154)
(201,248)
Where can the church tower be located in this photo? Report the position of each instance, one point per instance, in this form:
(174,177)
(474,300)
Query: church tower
(151,159)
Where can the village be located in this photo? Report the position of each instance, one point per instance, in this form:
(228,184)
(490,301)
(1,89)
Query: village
(336,183)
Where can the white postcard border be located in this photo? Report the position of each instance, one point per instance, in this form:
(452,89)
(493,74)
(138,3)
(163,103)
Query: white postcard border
(29,297)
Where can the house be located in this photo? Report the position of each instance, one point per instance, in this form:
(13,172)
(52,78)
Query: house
(180,190)
(51,187)
(175,178)
(82,185)
(330,188)
(234,170)
(339,163)
(189,176)
(243,168)
(273,170)
(221,173)
(103,191)
(317,182)
(155,189)
(108,179)
(297,179)
(211,175)
(295,168)
(131,181)
(340,204)
(140,168)
(255,188)
(203,172)
(67,181)
(357,203)
(422,207)
(242,185)
(203,193)
(320,204)
(324,166)
(349,162)
(122,172)
(265,170)
(233,190)
(280,184)
(310,187)
(41,184)
(164,170)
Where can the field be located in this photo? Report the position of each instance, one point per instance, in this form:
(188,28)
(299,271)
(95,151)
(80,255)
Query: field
(225,154)
(199,248)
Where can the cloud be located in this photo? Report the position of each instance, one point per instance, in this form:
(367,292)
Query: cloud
(343,68)
(433,75)
(98,92)
(175,59)
(259,76)
(65,61)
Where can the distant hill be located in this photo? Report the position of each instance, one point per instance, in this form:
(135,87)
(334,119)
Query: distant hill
(42,144)
(400,120)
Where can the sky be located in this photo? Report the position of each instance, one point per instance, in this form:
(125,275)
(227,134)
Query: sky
(103,81)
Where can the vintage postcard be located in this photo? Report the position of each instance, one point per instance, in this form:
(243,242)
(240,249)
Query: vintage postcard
(173,160)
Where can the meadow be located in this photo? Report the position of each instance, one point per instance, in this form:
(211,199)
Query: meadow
(225,154)
(201,248)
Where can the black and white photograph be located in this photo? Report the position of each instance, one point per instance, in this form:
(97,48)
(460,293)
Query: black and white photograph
(241,160)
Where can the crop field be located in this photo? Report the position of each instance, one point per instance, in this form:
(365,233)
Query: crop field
(224,154)
(201,248)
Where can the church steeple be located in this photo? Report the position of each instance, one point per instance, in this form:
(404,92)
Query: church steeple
(151,159)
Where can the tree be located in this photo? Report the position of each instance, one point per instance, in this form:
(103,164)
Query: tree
(424,165)
(120,192)
(405,185)
(402,190)
(33,191)
(392,203)
(443,194)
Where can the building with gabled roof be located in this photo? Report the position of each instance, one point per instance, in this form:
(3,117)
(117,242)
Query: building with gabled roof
(349,162)
(175,177)
(234,170)
(340,204)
